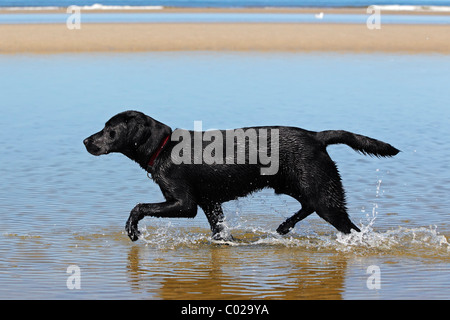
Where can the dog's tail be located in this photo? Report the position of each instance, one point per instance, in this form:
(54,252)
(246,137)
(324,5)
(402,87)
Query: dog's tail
(357,142)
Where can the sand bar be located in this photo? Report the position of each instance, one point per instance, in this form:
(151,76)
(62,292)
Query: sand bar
(116,37)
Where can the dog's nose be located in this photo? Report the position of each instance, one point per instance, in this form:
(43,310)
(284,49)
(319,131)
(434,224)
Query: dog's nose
(86,141)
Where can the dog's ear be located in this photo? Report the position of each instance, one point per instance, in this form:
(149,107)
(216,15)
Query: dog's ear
(152,133)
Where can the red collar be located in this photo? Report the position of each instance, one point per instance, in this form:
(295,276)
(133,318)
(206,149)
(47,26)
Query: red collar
(158,151)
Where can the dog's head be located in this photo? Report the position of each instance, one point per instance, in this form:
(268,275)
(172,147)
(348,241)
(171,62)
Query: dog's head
(128,132)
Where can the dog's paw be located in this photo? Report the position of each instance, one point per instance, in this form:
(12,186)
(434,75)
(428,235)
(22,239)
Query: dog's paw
(132,230)
(220,237)
(284,228)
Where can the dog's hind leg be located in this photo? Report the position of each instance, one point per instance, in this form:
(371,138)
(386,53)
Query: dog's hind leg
(215,216)
(331,206)
(329,201)
(289,224)
(338,218)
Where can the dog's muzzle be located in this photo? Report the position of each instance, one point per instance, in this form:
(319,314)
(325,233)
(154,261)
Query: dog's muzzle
(92,148)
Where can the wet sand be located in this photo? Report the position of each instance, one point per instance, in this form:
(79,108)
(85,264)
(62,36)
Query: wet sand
(123,37)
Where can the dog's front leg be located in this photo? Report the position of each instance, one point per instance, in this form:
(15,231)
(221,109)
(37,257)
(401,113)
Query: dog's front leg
(214,214)
(169,209)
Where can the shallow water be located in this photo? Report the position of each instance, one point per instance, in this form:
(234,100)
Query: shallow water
(60,206)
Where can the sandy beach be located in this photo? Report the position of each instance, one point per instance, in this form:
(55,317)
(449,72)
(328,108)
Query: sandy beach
(123,37)
(115,37)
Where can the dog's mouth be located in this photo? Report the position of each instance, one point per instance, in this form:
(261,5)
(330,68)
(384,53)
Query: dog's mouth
(93,148)
(96,151)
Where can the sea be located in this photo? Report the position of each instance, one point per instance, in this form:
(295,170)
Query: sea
(221,3)
(117,12)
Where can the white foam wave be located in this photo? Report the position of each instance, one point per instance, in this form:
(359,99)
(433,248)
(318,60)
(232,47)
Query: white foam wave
(410,8)
(96,6)
(48,8)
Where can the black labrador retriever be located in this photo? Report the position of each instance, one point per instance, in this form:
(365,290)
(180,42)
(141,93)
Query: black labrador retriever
(207,168)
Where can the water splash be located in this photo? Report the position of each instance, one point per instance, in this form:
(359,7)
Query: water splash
(418,241)
(172,237)
(421,241)
(397,241)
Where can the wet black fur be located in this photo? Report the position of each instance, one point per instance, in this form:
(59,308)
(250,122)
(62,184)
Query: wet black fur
(306,173)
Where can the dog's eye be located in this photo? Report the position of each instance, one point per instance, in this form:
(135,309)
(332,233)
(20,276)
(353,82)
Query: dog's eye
(112,134)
